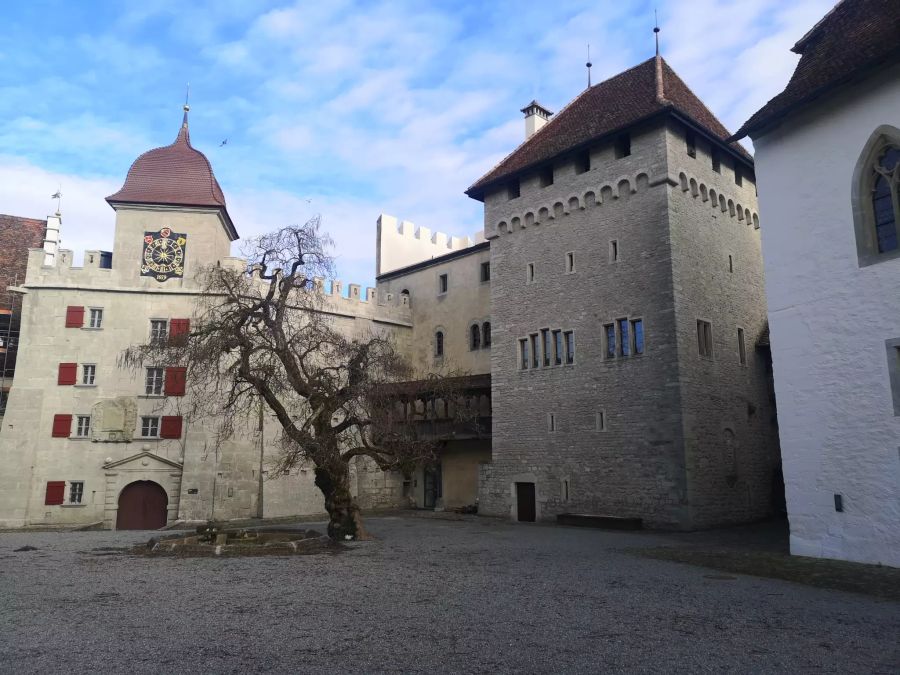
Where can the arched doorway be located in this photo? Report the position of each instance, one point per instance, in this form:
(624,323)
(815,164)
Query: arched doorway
(142,506)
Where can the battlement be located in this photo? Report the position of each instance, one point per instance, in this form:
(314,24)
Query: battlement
(401,243)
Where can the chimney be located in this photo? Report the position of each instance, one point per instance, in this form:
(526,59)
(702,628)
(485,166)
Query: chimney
(536,116)
(51,239)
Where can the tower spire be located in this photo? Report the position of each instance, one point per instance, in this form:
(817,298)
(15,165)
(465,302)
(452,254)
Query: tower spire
(660,90)
(656,29)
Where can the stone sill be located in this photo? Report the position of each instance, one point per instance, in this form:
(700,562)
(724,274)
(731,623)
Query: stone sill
(73,506)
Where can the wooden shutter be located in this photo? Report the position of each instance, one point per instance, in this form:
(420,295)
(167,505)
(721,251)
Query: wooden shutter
(62,426)
(68,373)
(56,492)
(175,381)
(170,427)
(178,330)
(74,316)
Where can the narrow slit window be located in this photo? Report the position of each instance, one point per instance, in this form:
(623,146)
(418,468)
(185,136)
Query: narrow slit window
(485,271)
(443,283)
(569,337)
(557,348)
(439,343)
(570,262)
(738,176)
(614,251)
(637,333)
(742,350)
(535,354)
(600,421)
(523,353)
(610,330)
(704,338)
(716,162)
(546,177)
(545,345)
(583,162)
(623,337)
(730,264)
(690,141)
(529,273)
(474,337)
(551,421)
(513,190)
(486,334)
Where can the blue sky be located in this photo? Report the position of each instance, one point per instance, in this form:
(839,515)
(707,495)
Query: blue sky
(339,108)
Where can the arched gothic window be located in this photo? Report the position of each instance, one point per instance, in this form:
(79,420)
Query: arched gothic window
(885,198)
(474,337)
(439,343)
(486,334)
(876,197)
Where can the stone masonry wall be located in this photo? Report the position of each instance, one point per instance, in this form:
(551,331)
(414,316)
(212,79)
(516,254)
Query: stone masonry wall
(634,467)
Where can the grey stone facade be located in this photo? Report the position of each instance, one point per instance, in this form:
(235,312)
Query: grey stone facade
(688,441)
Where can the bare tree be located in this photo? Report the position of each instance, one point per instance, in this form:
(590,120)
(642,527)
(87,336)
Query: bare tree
(265,333)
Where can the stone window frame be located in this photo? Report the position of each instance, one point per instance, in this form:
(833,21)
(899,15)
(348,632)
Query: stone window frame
(439,344)
(522,355)
(485,266)
(742,346)
(711,355)
(892,349)
(474,336)
(443,283)
(860,197)
(618,344)
(569,354)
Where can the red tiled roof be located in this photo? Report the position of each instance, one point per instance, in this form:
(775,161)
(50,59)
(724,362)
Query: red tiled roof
(608,107)
(17,235)
(853,38)
(176,174)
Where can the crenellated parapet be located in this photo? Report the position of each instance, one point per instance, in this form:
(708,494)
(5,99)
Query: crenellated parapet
(401,243)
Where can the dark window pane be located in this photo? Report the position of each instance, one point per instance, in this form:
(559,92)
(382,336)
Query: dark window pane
(570,346)
(638,336)
(623,337)
(557,347)
(545,343)
(535,355)
(610,341)
(885,223)
(486,334)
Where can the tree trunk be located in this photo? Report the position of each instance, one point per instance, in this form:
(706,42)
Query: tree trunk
(345,521)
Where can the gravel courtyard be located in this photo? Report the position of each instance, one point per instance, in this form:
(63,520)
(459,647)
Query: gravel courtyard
(426,596)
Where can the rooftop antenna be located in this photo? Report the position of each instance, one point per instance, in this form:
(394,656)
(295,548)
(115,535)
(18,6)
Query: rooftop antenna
(589,64)
(656,29)
(58,197)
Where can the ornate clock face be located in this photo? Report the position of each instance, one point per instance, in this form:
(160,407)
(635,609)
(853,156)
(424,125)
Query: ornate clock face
(163,254)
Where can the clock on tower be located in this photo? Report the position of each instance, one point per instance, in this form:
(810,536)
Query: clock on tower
(163,254)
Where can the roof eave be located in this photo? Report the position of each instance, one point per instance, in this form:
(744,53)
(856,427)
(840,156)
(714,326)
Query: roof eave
(221,208)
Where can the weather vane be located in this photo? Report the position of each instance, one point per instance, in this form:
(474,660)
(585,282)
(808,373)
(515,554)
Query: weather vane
(656,29)
(58,197)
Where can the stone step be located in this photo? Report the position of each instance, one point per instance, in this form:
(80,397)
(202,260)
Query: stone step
(599,521)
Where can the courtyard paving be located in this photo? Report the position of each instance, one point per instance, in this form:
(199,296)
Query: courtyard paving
(426,596)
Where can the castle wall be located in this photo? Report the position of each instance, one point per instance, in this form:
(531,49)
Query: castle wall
(203,477)
(399,244)
(830,322)
(635,466)
(730,431)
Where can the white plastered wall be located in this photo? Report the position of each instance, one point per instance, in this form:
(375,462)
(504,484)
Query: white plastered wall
(829,320)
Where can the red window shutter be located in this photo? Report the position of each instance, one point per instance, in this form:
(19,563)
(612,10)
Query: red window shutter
(178,329)
(56,492)
(68,373)
(175,381)
(62,426)
(170,427)
(74,316)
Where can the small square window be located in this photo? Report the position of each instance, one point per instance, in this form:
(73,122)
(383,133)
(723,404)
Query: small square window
(622,146)
(742,350)
(569,339)
(88,374)
(96,318)
(583,162)
(159,329)
(704,338)
(83,426)
(443,283)
(690,141)
(76,491)
(546,177)
(149,427)
(485,271)
(153,383)
(513,190)
(529,273)
(570,262)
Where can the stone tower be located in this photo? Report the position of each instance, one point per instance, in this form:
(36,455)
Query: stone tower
(627,302)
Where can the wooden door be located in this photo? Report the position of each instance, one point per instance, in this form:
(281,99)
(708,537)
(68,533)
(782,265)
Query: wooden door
(143,505)
(525,503)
